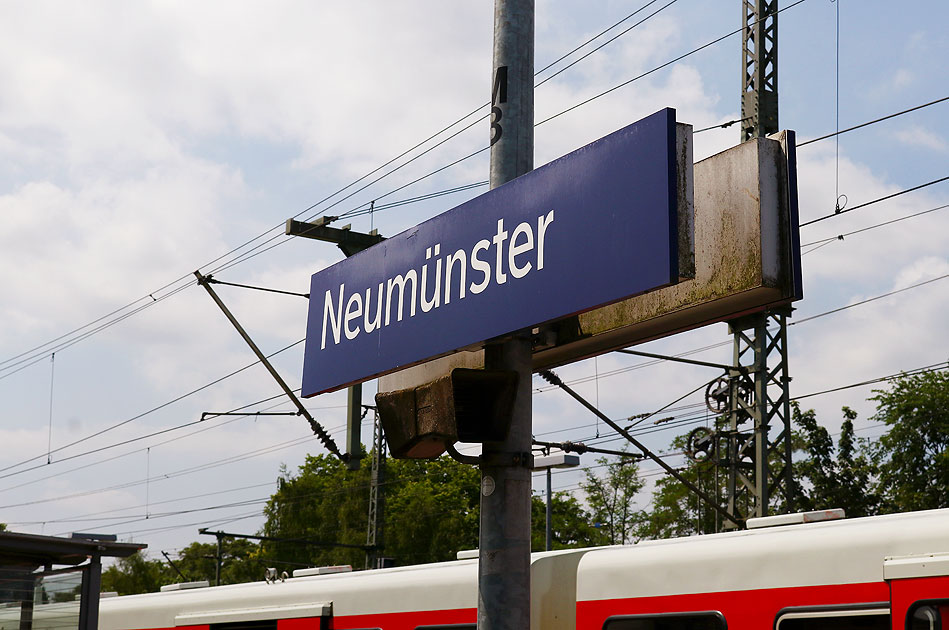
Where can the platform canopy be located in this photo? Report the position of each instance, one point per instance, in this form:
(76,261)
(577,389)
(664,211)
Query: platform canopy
(28,560)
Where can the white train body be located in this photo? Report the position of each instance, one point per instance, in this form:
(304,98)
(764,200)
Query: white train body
(878,572)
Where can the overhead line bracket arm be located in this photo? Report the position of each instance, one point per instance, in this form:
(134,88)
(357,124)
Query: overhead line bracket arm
(553,379)
(347,240)
(318,430)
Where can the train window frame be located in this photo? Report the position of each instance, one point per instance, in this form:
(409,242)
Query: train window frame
(831,611)
(714,614)
(255,624)
(910,612)
(448,626)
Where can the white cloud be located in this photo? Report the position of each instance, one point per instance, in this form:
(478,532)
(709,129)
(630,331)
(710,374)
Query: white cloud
(917,136)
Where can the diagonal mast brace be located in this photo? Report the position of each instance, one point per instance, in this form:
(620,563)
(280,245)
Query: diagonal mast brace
(318,430)
(553,379)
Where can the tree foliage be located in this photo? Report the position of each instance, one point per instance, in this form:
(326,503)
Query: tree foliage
(834,476)
(913,454)
(570,525)
(612,500)
(135,574)
(241,561)
(432,510)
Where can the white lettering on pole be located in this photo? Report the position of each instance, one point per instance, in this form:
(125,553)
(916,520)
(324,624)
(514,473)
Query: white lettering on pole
(422,288)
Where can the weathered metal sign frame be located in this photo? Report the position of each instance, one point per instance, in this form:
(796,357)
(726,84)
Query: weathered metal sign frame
(591,228)
(747,258)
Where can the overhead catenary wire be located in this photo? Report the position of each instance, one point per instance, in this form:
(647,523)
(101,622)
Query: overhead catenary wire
(660,67)
(649,473)
(206,426)
(934,367)
(537,390)
(874,201)
(170,475)
(722,343)
(612,39)
(264,247)
(795,322)
(150,298)
(142,415)
(872,122)
(868,300)
(841,237)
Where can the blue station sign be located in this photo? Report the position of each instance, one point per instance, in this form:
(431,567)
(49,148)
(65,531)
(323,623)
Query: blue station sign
(593,227)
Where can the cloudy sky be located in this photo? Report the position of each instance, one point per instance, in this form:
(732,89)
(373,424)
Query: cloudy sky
(142,141)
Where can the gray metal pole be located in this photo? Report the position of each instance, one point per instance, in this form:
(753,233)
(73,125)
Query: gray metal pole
(504,567)
(217,561)
(550,541)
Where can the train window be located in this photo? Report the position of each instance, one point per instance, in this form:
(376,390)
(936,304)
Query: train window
(851,618)
(709,620)
(267,624)
(928,615)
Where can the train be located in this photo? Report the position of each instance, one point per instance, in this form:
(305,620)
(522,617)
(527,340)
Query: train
(806,571)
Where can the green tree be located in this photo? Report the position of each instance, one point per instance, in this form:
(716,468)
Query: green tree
(571,526)
(833,476)
(611,499)
(913,455)
(323,502)
(135,574)
(431,511)
(241,561)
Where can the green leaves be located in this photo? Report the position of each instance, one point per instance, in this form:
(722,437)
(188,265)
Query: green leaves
(612,500)
(913,455)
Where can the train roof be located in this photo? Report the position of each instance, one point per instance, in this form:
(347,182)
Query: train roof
(845,551)
(453,585)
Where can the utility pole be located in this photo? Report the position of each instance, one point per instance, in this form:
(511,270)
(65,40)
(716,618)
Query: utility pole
(750,481)
(505,536)
(375,537)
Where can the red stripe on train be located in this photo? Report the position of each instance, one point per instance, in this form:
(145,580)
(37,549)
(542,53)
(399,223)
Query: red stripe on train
(404,620)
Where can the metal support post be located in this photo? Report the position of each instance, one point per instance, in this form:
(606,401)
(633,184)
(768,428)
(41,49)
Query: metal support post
(759,69)
(548,529)
(751,483)
(26,607)
(375,537)
(89,593)
(354,415)
(217,560)
(759,467)
(505,534)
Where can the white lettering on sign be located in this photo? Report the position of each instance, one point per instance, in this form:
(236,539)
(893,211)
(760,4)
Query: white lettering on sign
(423,290)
